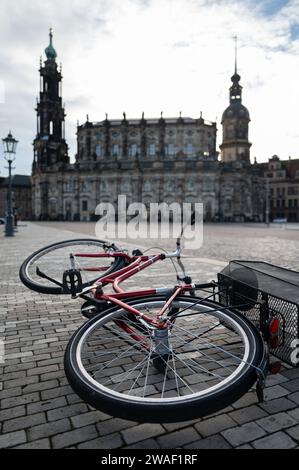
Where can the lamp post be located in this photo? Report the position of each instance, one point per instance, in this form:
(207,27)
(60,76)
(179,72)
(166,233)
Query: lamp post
(267,203)
(10,146)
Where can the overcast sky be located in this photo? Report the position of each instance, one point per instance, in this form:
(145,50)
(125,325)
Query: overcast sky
(153,56)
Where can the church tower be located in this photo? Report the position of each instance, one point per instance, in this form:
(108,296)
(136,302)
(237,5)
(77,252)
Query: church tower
(50,147)
(235,145)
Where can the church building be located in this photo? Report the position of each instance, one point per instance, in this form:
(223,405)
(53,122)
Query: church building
(163,159)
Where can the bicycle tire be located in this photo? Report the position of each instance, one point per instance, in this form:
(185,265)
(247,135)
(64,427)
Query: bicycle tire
(174,410)
(33,284)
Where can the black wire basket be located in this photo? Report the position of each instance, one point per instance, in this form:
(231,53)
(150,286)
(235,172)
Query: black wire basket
(262,291)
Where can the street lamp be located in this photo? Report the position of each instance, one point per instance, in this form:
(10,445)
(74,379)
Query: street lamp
(10,146)
(267,203)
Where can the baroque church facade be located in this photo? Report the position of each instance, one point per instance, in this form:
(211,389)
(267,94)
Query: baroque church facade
(147,160)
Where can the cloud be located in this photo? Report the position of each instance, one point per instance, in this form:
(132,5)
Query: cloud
(170,55)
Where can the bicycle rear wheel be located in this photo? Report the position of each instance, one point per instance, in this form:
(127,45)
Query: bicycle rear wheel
(54,259)
(206,361)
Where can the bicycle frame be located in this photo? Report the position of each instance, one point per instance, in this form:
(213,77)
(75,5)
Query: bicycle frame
(136,265)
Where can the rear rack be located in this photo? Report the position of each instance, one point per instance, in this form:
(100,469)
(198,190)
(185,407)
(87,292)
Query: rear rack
(264,291)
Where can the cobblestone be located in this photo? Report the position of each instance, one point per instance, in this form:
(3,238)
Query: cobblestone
(23,422)
(49,429)
(177,439)
(294,432)
(11,439)
(212,442)
(141,432)
(245,415)
(76,436)
(279,440)
(276,422)
(243,434)
(214,425)
(38,405)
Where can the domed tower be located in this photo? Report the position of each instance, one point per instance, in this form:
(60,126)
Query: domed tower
(235,120)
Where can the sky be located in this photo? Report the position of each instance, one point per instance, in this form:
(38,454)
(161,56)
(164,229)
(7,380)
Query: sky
(150,56)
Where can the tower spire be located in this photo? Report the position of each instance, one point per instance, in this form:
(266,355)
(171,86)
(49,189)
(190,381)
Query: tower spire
(235,91)
(236,52)
(50,51)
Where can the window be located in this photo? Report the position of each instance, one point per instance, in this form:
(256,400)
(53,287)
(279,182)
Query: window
(115,150)
(51,128)
(189,149)
(85,205)
(169,149)
(292,190)
(98,150)
(152,149)
(133,150)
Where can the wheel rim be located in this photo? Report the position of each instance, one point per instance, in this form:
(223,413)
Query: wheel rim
(54,260)
(114,364)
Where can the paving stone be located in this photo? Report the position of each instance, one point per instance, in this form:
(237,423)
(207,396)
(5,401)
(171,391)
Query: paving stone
(275,392)
(23,422)
(180,425)
(251,413)
(275,406)
(177,439)
(291,373)
(10,392)
(40,444)
(37,330)
(12,439)
(113,441)
(20,400)
(66,411)
(114,424)
(43,370)
(55,392)
(141,432)
(214,425)
(46,405)
(40,386)
(245,446)
(294,397)
(147,444)
(294,414)
(292,385)
(294,432)
(76,436)
(275,379)
(243,434)
(212,442)
(276,422)
(279,440)
(91,417)
(247,400)
(12,413)
(48,429)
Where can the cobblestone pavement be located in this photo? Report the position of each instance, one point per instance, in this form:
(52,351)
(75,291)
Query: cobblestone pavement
(38,409)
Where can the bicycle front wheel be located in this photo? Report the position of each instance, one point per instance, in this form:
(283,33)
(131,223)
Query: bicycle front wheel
(205,360)
(54,259)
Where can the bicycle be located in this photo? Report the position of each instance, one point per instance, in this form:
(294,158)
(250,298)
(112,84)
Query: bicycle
(157,354)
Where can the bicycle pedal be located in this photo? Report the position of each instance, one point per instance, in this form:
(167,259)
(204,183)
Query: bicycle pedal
(72,282)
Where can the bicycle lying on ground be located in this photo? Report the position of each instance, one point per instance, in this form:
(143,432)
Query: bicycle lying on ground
(161,354)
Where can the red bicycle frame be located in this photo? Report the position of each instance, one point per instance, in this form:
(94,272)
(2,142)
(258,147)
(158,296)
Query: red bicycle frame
(135,265)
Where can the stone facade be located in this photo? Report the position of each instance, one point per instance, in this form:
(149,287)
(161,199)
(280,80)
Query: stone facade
(148,160)
(282,188)
(21,196)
